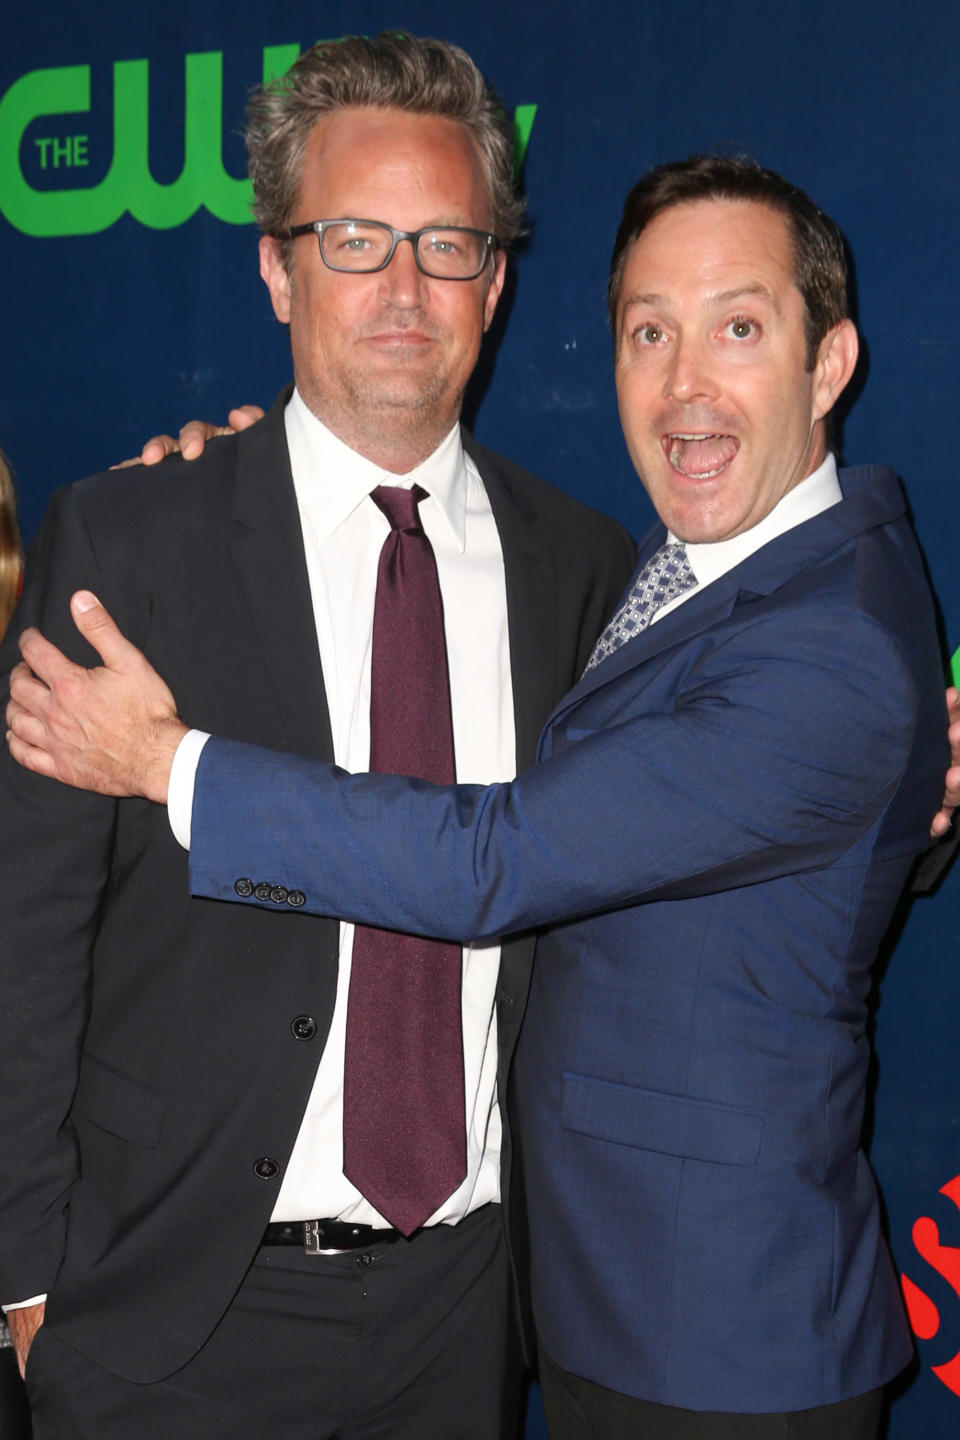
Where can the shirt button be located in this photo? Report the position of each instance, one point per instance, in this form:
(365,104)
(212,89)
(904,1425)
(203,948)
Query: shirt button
(243,887)
(266,1168)
(304,1027)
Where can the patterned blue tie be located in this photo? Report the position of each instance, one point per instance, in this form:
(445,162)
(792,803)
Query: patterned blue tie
(666,575)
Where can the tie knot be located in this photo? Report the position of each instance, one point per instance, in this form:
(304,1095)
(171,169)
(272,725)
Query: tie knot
(400,506)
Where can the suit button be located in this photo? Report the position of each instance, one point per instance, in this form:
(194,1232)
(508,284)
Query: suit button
(304,1027)
(296,897)
(266,1168)
(264,890)
(278,894)
(243,887)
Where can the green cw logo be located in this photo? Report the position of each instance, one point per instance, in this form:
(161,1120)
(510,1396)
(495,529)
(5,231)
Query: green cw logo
(128,184)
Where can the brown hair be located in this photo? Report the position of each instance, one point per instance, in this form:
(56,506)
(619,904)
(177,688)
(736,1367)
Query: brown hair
(390,71)
(11,549)
(820,262)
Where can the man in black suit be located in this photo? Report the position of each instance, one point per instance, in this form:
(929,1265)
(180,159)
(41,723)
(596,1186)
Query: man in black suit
(172,1112)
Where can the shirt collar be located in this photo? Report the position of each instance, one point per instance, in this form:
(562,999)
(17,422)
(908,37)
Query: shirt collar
(331,480)
(815,493)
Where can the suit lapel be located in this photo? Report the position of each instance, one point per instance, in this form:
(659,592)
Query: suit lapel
(531,584)
(267,544)
(708,607)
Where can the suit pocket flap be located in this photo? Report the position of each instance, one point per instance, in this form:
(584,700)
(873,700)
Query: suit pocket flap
(667,1124)
(111,1100)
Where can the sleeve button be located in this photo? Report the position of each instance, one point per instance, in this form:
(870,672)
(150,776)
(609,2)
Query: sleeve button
(264,890)
(296,897)
(243,887)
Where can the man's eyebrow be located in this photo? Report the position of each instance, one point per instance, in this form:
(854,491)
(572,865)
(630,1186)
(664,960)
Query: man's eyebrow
(646,299)
(721,297)
(724,297)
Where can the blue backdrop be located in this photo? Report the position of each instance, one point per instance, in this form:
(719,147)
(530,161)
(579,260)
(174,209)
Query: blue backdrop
(131,302)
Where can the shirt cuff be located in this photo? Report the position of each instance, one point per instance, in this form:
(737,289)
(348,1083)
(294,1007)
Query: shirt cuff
(22,1304)
(183,774)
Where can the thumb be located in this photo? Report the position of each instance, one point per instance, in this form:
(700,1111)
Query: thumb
(100,630)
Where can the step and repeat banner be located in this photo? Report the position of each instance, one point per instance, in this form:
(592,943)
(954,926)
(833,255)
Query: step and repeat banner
(131,302)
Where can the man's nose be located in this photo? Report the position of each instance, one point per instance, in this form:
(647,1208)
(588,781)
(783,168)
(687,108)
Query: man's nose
(691,373)
(402,280)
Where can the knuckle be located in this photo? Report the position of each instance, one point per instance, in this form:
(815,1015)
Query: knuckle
(67,689)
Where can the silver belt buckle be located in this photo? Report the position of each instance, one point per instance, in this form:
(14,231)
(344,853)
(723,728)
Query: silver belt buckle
(311,1237)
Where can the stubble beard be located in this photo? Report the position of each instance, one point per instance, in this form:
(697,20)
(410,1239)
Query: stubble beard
(388,418)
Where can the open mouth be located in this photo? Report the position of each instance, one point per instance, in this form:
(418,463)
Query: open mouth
(699,457)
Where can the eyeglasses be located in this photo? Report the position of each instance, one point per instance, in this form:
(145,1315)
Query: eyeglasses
(445,252)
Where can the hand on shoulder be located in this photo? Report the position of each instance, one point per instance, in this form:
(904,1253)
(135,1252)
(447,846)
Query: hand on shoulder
(192,439)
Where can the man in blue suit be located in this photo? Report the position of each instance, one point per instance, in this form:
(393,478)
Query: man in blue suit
(723,814)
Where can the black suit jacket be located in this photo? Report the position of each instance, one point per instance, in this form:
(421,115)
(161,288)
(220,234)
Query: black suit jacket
(154,1081)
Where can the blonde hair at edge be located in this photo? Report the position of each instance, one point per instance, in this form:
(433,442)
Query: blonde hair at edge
(11,550)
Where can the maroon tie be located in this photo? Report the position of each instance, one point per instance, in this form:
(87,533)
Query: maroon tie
(404,1122)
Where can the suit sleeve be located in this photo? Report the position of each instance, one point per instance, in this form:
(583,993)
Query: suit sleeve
(54,856)
(783,747)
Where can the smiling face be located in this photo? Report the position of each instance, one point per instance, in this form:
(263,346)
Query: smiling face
(383,359)
(720,414)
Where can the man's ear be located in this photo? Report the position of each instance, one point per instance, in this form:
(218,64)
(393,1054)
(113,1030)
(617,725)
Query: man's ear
(836,362)
(275,277)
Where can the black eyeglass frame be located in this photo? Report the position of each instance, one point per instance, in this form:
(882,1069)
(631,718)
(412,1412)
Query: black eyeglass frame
(317,227)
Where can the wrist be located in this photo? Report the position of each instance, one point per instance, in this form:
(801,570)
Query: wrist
(156,775)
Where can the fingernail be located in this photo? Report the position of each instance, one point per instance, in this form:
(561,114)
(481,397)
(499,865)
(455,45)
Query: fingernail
(85,600)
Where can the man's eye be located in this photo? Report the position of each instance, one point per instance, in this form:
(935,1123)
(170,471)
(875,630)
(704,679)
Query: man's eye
(355,244)
(649,335)
(442,245)
(741,328)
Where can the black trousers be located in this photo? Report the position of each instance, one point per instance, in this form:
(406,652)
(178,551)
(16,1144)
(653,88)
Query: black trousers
(578,1409)
(402,1342)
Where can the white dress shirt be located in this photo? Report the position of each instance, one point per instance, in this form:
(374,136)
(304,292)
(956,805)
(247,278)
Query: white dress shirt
(343,532)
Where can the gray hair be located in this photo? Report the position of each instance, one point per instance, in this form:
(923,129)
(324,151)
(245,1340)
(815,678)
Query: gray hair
(390,71)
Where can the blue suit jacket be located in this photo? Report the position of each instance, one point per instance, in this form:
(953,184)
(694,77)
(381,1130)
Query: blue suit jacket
(715,837)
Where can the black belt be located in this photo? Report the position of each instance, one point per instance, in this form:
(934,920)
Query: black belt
(315,1236)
